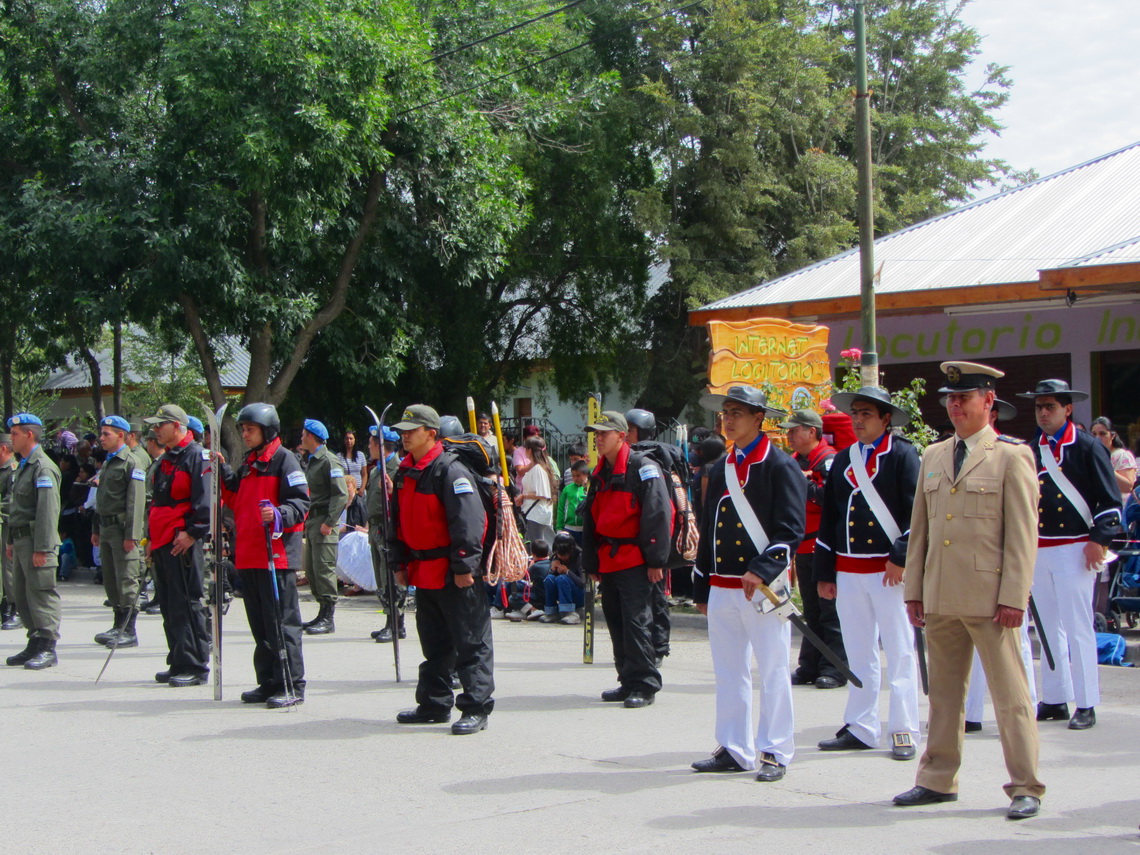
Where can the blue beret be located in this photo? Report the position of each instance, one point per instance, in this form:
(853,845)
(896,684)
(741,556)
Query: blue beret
(317,429)
(195,424)
(116,422)
(24,419)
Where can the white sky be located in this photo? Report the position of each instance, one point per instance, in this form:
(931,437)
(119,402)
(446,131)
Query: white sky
(1076,77)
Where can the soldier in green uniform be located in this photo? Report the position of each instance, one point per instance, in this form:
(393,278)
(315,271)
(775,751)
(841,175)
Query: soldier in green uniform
(33,542)
(9,619)
(383,452)
(328,496)
(120,523)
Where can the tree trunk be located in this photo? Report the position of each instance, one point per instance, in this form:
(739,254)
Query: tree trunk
(7,354)
(96,382)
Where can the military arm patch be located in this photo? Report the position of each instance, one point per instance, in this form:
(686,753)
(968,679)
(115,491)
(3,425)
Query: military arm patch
(44,481)
(205,454)
(336,472)
(462,485)
(648,471)
(296,479)
(138,474)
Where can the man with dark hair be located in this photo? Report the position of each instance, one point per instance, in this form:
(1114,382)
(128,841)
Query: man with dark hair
(1079,510)
(328,497)
(814,456)
(859,557)
(33,529)
(484,429)
(625,544)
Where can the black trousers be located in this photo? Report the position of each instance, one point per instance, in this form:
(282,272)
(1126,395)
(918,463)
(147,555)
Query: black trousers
(822,618)
(627,603)
(262,612)
(454,627)
(178,583)
(661,625)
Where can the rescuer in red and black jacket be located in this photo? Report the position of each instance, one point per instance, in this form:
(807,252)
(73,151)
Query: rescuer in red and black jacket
(627,528)
(178,520)
(813,454)
(438,528)
(269,491)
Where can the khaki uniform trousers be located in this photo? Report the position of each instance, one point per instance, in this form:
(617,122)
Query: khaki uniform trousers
(318,560)
(122,571)
(33,590)
(950,643)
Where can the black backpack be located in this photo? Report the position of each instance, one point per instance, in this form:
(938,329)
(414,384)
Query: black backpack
(678,476)
(478,456)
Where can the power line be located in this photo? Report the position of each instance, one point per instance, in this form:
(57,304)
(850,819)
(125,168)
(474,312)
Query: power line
(437,57)
(545,59)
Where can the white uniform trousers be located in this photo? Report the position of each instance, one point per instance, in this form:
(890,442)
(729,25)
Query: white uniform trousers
(870,612)
(1063,592)
(736,632)
(976,696)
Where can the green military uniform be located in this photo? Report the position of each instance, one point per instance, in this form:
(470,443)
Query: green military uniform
(375,538)
(7,477)
(120,505)
(328,496)
(33,526)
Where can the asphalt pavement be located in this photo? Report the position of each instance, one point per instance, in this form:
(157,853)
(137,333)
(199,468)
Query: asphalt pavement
(130,766)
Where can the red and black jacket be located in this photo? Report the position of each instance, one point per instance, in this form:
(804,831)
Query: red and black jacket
(271,473)
(818,463)
(181,498)
(627,516)
(439,521)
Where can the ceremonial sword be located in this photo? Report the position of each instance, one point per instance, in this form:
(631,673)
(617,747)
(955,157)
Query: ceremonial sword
(786,609)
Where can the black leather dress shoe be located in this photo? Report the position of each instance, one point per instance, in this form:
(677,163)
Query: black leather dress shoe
(845,740)
(162,677)
(922,796)
(1083,718)
(259,695)
(614,695)
(1052,712)
(281,700)
(1023,807)
(469,723)
(826,681)
(721,761)
(423,716)
(801,679)
(637,700)
(973,726)
(770,770)
(180,681)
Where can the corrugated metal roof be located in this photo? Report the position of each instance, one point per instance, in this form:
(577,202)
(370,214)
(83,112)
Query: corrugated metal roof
(1125,252)
(1075,214)
(233,358)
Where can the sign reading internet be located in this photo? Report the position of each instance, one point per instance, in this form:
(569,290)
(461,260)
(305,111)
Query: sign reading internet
(792,357)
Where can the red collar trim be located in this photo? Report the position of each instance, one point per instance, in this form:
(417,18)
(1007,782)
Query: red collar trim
(620,465)
(882,446)
(265,454)
(409,462)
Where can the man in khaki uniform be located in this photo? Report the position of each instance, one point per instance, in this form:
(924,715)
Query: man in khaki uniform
(120,523)
(33,543)
(969,567)
(328,496)
(8,617)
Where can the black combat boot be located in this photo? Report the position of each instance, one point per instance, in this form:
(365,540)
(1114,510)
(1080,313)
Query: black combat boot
(323,625)
(109,635)
(126,637)
(45,655)
(10,617)
(25,654)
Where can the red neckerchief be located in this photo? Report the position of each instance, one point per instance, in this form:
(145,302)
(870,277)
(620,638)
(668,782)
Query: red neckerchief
(620,465)
(266,453)
(882,446)
(410,462)
(1069,436)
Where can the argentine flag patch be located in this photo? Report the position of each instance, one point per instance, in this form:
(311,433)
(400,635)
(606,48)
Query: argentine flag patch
(43,481)
(648,471)
(296,479)
(336,472)
(462,485)
(205,454)
(138,474)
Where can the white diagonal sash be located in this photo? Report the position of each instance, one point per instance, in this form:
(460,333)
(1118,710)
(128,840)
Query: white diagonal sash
(1065,485)
(878,506)
(748,517)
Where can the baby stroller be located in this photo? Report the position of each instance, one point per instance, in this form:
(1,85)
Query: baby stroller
(1124,589)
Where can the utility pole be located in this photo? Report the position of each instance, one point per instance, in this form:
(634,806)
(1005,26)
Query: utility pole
(869,363)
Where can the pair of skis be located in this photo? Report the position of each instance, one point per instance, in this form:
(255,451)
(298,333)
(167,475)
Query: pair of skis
(385,559)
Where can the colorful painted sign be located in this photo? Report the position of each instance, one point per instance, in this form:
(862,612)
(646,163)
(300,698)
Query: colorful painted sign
(791,357)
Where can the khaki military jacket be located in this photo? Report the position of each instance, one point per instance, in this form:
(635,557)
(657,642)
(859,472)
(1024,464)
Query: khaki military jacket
(120,501)
(328,494)
(35,503)
(973,539)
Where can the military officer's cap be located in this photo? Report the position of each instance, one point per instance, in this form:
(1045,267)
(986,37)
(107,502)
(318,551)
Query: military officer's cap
(418,415)
(136,426)
(1054,389)
(317,429)
(24,419)
(610,420)
(116,422)
(967,376)
(873,394)
(750,396)
(803,418)
(169,413)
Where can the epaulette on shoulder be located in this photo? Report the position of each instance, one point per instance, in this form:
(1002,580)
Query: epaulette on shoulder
(1012,440)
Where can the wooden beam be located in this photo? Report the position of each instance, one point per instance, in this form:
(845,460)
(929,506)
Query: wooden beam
(1108,277)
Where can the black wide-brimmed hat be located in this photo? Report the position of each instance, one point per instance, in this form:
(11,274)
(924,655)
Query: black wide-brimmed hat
(750,396)
(842,401)
(1053,388)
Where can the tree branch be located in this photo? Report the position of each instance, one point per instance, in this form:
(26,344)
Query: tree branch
(204,348)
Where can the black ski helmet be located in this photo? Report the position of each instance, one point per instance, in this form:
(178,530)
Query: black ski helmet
(264,415)
(449,426)
(644,421)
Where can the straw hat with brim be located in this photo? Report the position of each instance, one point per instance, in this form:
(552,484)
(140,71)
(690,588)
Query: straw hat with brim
(1053,388)
(843,401)
(750,396)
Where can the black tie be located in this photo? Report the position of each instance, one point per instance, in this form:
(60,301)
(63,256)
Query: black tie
(959,456)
